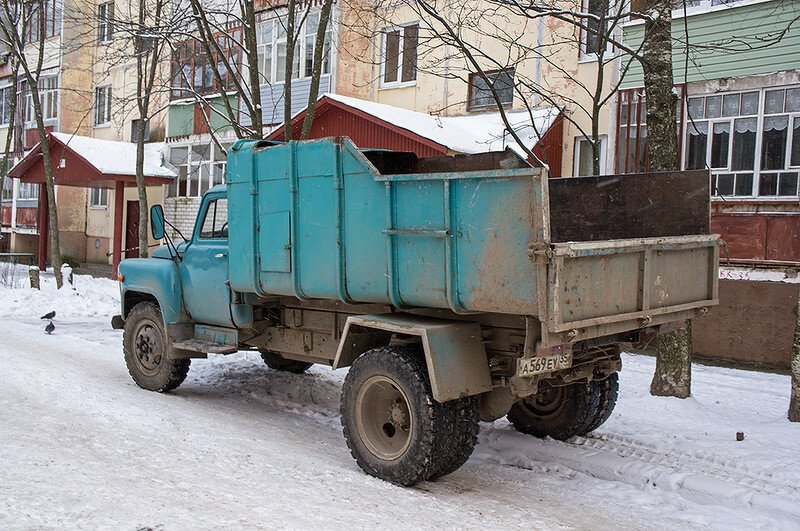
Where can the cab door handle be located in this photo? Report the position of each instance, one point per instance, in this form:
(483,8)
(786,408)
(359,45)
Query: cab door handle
(220,255)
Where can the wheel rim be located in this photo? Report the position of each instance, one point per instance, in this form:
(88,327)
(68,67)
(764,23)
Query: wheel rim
(545,404)
(383,418)
(148,347)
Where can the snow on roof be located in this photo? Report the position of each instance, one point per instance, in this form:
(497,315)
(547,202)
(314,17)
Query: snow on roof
(474,133)
(118,158)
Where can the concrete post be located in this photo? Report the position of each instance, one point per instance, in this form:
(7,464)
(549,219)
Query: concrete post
(66,276)
(33,274)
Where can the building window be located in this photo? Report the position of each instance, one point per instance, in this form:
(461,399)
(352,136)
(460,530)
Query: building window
(584,156)
(99,198)
(480,92)
(271,40)
(200,166)
(6,102)
(750,141)
(593,34)
(399,55)
(102,105)
(631,140)
(105,24)
(135,130)
(48,97)
(8,189)
(193,73)
(52,20)
(27,191)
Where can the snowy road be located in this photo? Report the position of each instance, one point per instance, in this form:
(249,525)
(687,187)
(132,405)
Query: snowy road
(239,445)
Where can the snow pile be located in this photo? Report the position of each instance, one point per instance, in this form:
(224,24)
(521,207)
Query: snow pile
(92,297)
(240,445)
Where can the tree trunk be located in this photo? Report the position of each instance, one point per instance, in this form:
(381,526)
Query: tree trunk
(50,188)
(319,50)
(673,376)
(142,190)
(794,402)
(674,349)
(287,81)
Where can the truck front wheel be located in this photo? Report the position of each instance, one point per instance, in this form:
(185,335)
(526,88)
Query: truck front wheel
(152,362)
(394,428)
(278,363)
(566,411)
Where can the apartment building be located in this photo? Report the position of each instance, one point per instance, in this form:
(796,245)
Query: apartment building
(87,89)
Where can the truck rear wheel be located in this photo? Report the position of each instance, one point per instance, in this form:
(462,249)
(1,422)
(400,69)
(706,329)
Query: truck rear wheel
(558,412)
(394,428)
(278,363)
(152,362)
(609,390)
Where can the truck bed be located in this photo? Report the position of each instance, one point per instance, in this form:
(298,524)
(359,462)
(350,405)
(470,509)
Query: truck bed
(488,233)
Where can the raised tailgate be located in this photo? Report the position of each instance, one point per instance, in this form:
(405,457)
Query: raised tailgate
(592,284)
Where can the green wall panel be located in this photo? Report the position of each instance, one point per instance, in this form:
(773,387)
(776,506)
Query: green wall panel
(728,42)
(181,117)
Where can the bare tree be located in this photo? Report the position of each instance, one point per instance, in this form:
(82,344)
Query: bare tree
(319,57)
(21,17)
(673,374)
(484,37)
(8,149)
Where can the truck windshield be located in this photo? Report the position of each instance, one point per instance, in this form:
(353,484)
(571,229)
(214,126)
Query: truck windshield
(215,222)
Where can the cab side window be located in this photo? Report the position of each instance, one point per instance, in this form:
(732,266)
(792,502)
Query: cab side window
(215,222)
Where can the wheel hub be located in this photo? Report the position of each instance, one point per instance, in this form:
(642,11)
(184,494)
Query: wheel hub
(148,347)
(383,418)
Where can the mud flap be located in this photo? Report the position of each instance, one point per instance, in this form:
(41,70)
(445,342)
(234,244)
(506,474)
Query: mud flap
(454,353)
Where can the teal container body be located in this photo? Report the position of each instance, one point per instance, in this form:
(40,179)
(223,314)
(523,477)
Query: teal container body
(316,219)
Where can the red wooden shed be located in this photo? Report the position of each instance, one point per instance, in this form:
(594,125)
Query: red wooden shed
(91,163)
(379,126)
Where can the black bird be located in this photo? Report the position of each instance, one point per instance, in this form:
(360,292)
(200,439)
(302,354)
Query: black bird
(48,315)
(50,327)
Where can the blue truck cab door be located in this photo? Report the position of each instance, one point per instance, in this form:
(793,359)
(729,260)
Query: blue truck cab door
(204,268)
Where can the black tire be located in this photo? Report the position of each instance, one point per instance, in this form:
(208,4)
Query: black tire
(402,446)
(463,436)
(277,362)
(152,362)
(609,391)
(557,412)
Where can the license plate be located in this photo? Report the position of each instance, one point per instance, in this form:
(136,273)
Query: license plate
(542,364)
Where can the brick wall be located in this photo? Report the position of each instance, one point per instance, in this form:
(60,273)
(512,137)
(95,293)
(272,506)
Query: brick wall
(181,212)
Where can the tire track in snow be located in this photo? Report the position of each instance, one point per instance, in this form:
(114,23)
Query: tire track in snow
(707,483)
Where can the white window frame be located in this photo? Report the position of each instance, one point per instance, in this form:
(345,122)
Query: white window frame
(105,26)
(102,115)
(27,191)
(49,98)
(576,162)
(583,55)
(757,171)
(194,167)
(399,83)
(98,198)
(277,22)
(5,104)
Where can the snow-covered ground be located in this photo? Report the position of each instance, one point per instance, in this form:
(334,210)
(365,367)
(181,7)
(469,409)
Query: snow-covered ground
(238,445)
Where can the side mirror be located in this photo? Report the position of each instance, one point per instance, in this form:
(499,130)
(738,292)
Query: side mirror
(157,222)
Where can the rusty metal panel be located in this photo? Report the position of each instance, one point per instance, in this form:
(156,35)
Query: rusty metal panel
(594,284)
(612,207)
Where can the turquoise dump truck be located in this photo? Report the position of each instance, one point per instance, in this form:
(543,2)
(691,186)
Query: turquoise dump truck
(456,289)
